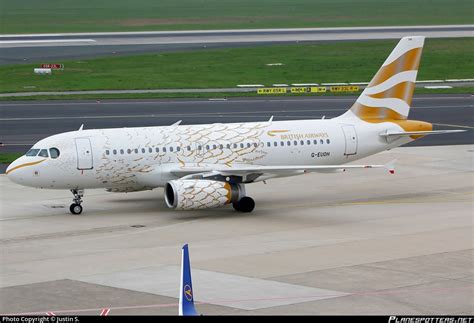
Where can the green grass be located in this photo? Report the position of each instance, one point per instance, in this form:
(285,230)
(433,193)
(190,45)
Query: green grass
(39,16)
(322,62)
(7,158)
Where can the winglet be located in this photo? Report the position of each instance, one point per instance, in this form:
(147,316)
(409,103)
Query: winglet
(271,119)
(390,166)
(186,294)
(81,127)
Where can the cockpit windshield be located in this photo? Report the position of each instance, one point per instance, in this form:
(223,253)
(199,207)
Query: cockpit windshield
(53,152)
(32,152)
(43,153)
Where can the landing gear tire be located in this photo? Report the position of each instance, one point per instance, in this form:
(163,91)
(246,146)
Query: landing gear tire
(75,208)
(245,204)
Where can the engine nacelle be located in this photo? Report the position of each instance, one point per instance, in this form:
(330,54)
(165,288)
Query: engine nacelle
(192,194)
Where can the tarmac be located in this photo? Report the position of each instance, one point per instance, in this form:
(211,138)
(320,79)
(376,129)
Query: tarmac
(53,47)
(358,242)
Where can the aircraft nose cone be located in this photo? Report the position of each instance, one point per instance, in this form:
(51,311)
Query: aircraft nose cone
(12,171)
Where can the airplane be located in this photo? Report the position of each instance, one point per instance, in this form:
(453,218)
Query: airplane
(207,166)
(186,294)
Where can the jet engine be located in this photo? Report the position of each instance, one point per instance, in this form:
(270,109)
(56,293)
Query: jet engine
(192,194)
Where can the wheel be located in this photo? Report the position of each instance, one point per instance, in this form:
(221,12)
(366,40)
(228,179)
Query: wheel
(245,204)
(75,208)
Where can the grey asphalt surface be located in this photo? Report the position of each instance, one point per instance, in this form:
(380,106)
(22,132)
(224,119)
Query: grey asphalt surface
(24,123)
(16,49)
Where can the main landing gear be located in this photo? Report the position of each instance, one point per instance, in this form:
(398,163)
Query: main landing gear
(245,204)
(76,207)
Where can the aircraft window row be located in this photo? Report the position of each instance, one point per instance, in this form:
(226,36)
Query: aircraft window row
(208,147)
(53,152)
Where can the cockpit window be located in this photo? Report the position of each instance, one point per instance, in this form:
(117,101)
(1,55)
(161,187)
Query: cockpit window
(54,152)
(43,153)
(32,152)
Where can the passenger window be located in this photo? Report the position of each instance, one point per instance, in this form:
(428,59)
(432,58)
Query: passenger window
(221,146)
(282,143)
(241,145)
(315,141)
(235,145)
(268,144)
(328,141)
(164,149)
(228,146)
(256,145)
(157,149)
(199,147)
(248,145)
(115,151)
(121,151)
(107,152)
(207,147)
(129,151)
(178,148)
(189,148)
(32,152)
(143,150)
(302,142)
(295,143)
(43,153)
(321,141)
(309,142)
(214,146)
(275,143)
(150,150)
(136,151)
(288,143)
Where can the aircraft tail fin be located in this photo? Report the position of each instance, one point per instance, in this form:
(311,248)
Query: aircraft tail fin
(389,94)
(186,294)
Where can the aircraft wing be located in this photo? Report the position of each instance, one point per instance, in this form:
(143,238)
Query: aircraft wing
(255,171)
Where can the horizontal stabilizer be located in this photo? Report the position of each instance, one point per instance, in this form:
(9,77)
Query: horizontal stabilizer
(418,133)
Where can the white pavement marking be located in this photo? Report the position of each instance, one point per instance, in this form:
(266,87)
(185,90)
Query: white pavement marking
(64,104)
(213,287)
(34,41)
(459,80)
(242,30)
(331,84)
(430,81)
(237,114)
(433,87)
(359,83)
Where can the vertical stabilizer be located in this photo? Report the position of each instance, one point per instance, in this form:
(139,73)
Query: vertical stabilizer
(186,294)
(389,94)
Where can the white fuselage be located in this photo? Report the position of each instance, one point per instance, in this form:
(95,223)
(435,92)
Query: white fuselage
(131,159)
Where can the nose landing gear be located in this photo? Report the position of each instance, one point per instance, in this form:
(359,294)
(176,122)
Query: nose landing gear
(76,207)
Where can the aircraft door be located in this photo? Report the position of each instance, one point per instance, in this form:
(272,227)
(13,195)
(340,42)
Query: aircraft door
(200,149)
(84,153)
(350,136)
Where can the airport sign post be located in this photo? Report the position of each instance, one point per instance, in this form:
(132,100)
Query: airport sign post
(53,66)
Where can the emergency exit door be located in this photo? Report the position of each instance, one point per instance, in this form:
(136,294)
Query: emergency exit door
(351,140)
(84,153)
